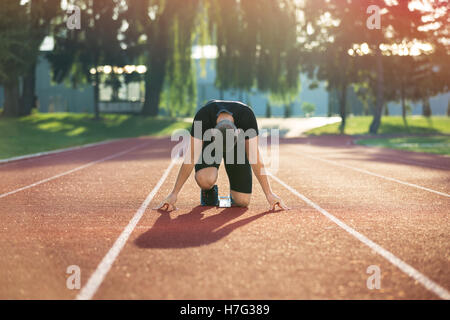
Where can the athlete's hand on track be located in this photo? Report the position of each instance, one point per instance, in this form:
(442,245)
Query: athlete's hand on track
(169,203)
(275,201)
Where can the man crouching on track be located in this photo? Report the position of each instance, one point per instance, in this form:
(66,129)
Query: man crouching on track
(230,128)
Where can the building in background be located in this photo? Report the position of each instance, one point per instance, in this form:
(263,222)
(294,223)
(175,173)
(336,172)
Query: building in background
(128,97)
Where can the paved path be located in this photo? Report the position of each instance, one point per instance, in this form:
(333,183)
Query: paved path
(291,127)
(295,127)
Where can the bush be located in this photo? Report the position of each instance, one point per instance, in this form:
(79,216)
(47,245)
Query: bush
(268,110)
(308,108)
(287,110)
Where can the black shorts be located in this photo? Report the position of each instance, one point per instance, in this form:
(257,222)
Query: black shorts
(239,175)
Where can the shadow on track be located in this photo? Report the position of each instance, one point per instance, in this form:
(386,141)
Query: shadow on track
(160,148)
(344,145)
(190,230)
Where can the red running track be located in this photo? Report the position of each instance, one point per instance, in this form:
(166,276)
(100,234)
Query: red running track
(352,207)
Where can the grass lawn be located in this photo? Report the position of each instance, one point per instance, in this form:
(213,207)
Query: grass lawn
(41,132)
(433,144)
(436,130)
(389,125)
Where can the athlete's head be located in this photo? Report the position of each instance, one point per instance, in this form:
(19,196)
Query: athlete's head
(228,131)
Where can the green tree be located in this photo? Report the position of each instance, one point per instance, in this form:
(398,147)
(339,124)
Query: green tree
(415,78)
(251,52)
(328,32)
(341,49)
(180,95)
(23,26)
(407,77)
(308,109)
(426,108)
(160,31)
(14,52)
(430,76)
(365,94)
(398,81)
(40,16)
(78,52)
(286,98)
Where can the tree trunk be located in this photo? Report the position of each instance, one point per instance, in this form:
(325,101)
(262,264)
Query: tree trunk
(288,110)
(367,107)
(426,108)
(96,95)
(29,91)
(342,107)
(156,68)
(268,111)
(12,102)
(330,105)
(403,100)
(154,82)
(376,122)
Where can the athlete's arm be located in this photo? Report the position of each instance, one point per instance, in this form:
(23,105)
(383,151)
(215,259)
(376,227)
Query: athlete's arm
(190,158)
(256,161)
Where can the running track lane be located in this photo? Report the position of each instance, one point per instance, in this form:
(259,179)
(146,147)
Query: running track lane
(73,219)
(204,253)
(325,264)
(18,174)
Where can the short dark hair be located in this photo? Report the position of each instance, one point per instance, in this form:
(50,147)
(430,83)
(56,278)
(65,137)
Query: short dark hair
(223,126)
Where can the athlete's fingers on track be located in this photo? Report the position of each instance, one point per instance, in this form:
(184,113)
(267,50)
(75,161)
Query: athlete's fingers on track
(281,205)
(160,206)
(165,207)
(274,206)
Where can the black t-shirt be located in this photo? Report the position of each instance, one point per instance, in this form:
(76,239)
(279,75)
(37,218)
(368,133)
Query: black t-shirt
(243,115)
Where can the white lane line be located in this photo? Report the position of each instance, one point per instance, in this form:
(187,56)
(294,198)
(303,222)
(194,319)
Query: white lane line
(424,165)
(57,151)
(94,282)
(403,266)
(73,170)
(375,174)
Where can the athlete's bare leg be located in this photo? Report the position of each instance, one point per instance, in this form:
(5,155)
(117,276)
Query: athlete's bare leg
(206,178)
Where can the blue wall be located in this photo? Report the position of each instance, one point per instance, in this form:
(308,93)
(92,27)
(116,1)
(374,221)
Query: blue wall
(207,91)
(59,97)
